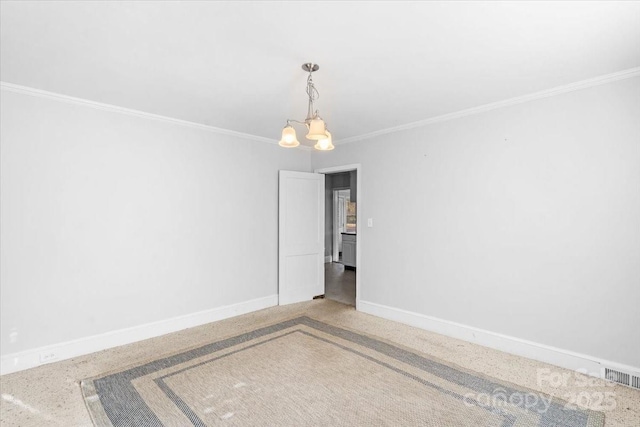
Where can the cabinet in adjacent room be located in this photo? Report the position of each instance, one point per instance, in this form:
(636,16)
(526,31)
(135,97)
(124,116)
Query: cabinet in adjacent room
(349,249)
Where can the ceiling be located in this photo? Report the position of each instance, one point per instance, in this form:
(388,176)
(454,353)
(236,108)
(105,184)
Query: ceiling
(237,65)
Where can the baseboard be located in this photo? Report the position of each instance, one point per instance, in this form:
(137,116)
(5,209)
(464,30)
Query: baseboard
(532,350)
(327,259)
(53,353)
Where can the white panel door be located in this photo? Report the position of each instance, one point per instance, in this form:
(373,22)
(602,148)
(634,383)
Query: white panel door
(301,237)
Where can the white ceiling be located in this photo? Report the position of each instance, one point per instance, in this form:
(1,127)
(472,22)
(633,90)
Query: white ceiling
(236,65)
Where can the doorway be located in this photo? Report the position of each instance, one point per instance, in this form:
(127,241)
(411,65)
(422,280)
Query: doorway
(341,234)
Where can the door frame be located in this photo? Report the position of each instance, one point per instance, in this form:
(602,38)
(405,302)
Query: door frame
(358,168)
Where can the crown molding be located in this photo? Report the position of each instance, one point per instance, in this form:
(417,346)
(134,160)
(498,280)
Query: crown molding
(128,111)
(583,84)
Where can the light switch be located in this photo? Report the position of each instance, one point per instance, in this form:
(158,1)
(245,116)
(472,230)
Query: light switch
(369,222)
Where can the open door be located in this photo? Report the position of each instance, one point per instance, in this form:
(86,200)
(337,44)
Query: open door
(301,237)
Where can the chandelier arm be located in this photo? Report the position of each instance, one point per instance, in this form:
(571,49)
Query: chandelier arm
(297,121)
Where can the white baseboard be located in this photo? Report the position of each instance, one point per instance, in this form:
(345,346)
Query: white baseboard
(53,353)
(327,259)
(532,350)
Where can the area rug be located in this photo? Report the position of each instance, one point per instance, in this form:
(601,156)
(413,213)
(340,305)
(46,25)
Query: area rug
(303,372)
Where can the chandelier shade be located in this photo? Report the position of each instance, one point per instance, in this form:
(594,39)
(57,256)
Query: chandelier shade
(289,137)
(317,130)
(324,144)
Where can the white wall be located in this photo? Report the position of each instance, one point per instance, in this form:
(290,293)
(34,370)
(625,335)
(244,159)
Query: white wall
(111,221)
(523,221)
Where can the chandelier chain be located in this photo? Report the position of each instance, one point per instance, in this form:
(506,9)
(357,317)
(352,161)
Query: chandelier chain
(311,89)
(313,94)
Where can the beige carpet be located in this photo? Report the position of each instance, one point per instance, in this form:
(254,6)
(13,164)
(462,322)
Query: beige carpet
(306,372)
(50,395)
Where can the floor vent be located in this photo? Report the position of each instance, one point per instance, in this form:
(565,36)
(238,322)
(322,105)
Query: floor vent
(622,378)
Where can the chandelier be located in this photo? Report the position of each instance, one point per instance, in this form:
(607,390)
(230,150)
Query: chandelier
(316,128)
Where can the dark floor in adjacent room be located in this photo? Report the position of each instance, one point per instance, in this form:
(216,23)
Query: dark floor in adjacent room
(340,283)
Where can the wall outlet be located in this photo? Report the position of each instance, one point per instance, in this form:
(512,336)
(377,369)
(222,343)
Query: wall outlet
(48,356)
